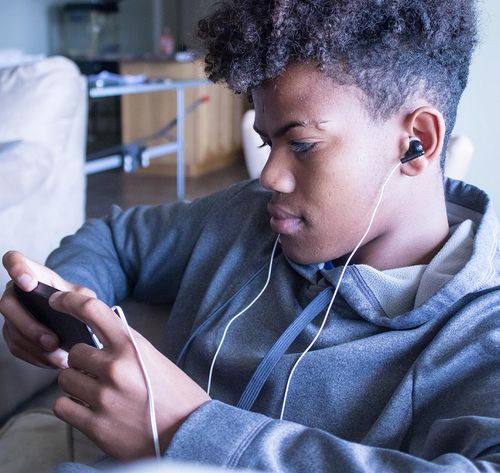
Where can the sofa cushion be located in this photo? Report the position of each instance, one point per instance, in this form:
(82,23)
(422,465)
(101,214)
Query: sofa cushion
(19,380)
(29,202)
(25,167)
(27,177)
(43,112)
(37,441)
(54,85)
(42,198)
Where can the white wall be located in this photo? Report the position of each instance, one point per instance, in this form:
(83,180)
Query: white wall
(136,21)
(24,24)
(191,12)
(478,114)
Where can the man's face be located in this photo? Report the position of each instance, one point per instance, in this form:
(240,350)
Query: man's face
(327,164)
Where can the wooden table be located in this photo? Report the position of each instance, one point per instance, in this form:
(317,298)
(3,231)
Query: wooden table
(176,147)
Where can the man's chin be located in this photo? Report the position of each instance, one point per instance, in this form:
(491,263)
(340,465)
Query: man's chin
(298,252)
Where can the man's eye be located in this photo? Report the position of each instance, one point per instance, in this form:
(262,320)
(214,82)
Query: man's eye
(299,147)
(264,144)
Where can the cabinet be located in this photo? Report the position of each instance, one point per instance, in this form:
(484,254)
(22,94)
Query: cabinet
(213,130)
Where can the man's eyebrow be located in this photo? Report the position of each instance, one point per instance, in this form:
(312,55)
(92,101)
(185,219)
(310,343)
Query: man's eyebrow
(283,129)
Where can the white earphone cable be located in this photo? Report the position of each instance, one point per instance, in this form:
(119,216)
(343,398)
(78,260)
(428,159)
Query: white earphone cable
(152,413)
(283,406)
(269,271)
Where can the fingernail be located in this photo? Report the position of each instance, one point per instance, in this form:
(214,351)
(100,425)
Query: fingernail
(25,281)
(59,358)
(48,342)
(63,362)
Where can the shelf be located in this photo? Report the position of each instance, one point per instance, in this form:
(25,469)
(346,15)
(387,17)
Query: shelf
(118,90)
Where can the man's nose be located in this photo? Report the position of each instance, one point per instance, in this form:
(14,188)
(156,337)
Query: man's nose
(277,175)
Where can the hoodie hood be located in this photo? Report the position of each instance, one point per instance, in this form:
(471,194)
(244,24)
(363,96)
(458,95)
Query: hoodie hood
(464,202)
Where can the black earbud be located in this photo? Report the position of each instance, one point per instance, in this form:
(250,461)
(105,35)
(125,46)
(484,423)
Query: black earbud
(415,150)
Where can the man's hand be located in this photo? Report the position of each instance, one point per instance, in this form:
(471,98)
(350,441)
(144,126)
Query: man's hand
(27,338)
(107,390)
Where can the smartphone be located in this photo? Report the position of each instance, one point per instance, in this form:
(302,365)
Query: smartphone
(69,329)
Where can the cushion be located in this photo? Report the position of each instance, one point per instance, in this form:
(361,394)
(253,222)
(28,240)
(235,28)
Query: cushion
(24,169)
(42,184)
(55,86)
(37,441)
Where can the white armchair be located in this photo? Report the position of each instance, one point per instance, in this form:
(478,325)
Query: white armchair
(255,155)
(43,112)
(460,154)
(43,116)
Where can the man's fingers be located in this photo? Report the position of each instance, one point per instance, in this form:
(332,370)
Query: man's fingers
(20,269)
(88,359)
(26,273)
(93,312)
(80,386)
(84,291)
(74,413)
(21,353)
(24,350)
(26,337)
(22,325)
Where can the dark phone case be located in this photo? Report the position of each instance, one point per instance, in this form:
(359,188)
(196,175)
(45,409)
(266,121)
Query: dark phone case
(69,330)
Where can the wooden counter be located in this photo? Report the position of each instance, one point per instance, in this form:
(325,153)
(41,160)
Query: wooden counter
(213,131)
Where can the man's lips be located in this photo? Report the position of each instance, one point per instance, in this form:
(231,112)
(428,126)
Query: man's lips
(283,221)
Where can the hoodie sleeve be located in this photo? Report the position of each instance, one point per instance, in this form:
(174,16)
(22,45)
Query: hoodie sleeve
(452,407)
(223,435)
(142,251)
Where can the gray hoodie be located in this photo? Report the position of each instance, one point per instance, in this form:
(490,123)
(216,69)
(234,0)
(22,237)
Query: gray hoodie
(398,392)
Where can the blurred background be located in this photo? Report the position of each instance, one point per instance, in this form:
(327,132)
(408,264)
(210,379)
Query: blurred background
(145,40)
(31,25)
(155,38)
(480,106)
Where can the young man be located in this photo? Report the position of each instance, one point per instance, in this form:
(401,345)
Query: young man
(370,328)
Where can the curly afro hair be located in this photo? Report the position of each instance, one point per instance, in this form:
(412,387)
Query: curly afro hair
(390,49)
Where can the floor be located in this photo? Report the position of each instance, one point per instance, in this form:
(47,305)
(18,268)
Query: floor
(116,187)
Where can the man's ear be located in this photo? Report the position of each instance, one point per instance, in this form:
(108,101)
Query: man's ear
(427,124)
